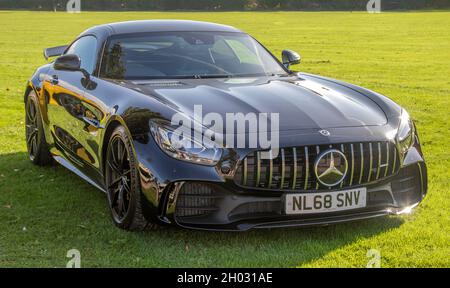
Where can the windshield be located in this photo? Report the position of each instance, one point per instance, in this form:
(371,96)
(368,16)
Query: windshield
(186,55)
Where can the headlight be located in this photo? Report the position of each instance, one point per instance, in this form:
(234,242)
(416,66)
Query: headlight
(183,147)
(405,134)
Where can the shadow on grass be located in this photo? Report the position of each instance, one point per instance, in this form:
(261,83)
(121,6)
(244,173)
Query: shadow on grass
(62,206)
(285,247)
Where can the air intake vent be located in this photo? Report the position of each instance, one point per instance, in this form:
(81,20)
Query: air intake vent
(195,199)
(406,187)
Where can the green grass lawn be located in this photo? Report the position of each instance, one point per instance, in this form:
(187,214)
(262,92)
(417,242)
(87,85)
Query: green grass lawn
(44,212)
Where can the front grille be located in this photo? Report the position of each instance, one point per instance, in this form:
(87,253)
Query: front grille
(293,169)
(195,199)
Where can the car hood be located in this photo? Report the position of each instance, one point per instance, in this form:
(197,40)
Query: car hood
(300,103)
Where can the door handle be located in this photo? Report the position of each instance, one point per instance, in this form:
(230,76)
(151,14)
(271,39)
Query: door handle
(93,122)
(54,80)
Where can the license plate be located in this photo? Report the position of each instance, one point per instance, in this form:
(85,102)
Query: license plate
(309,203)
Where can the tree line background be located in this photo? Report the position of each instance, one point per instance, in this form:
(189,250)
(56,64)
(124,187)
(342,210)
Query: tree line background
(114,5)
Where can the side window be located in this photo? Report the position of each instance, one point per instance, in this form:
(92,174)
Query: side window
(85,48)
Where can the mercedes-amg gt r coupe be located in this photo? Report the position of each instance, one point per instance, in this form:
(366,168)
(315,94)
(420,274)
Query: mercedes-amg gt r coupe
(104,109)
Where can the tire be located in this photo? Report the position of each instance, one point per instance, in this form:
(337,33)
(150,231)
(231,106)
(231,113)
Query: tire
(37,147)
(122,180)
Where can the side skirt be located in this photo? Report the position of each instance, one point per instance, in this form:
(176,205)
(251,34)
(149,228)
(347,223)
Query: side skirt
(72,168)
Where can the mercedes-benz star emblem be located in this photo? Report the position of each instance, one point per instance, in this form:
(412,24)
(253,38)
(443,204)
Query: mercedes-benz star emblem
(331,167)
(325,132)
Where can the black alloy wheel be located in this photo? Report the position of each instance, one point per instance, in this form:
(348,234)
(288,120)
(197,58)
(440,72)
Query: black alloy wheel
(122,183)
(37,148)
(119,178)
(32,129)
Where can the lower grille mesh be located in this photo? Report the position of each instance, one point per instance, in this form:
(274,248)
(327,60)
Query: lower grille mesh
(195,199)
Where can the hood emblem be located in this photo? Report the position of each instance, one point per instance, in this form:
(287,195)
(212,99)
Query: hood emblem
(331,167)
(325,132)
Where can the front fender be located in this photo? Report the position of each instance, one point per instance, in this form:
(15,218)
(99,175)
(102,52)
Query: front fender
(36,81)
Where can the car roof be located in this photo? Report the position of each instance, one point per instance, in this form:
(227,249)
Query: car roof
(142,26)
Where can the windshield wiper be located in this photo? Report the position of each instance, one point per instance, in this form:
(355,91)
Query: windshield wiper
(279,75)
(213,76)
(205,76)
(192,76)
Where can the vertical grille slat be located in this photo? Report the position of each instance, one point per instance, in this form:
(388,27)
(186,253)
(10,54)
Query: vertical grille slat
(370,162)
(353,164)
(306,167)
(394,162)
(343,151)
(245,171)
(379,161)
(293,168)
(361,155)
(270,174)
(387,159)
(283,169)
(258,168)
(317,154)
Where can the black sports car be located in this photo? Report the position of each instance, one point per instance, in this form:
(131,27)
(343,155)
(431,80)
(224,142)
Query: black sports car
(105,109)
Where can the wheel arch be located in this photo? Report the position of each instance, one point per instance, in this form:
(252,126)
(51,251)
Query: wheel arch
(44,156)
(113,122)
(31,88)
(27,92)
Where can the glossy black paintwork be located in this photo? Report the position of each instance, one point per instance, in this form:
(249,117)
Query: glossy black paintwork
(143,26)
(298,100)
(79,114)
(68,62)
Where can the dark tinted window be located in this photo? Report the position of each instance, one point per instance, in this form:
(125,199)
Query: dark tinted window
(186,54)
(85,48)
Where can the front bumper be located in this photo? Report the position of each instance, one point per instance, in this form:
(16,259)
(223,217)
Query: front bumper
(206,199)
(208,206)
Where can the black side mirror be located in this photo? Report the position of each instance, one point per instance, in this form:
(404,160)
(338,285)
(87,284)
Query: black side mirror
(290,57)
(70,62)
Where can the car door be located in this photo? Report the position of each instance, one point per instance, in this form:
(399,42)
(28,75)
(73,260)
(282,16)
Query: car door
(75,115)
